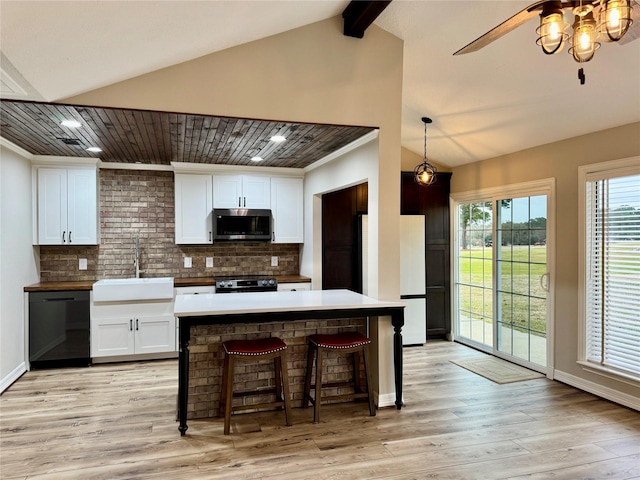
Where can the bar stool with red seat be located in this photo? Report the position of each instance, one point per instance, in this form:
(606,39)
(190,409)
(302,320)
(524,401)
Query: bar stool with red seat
(354,343)
(250,351)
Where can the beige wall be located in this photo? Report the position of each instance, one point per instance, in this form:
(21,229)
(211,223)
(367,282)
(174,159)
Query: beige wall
(559,160)
(310,74)
(409,160)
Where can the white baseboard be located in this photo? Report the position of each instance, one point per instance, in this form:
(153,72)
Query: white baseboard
(17,372)
(625,399)
(386,400)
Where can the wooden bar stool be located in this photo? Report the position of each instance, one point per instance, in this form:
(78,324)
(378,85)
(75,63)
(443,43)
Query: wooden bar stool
(250,351)
(348,342)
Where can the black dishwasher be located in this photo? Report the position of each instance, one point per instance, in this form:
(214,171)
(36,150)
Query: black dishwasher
(59,325)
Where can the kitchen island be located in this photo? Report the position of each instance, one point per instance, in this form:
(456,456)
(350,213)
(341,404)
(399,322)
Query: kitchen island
(261,307)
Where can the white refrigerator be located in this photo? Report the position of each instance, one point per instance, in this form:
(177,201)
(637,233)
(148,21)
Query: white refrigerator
(413,279)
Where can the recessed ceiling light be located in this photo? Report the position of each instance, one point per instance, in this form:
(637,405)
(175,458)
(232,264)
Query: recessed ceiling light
(256,159)
(71,123)
(94,149)
(278,138)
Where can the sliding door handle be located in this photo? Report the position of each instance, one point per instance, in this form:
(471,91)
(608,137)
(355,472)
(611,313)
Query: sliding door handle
(544,282)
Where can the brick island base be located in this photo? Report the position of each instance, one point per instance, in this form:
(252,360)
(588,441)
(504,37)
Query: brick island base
(206,359)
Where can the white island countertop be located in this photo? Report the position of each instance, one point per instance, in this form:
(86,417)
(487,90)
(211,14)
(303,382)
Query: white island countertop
(259,302)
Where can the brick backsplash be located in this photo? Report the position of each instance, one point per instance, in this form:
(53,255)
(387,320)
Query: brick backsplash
(141,204)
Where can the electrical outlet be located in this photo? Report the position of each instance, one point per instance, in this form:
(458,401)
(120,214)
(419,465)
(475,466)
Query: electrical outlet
(209,262)
(187,262)
(274,261)
(82,264)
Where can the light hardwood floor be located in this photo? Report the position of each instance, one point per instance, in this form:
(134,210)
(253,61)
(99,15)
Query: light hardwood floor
(118,421)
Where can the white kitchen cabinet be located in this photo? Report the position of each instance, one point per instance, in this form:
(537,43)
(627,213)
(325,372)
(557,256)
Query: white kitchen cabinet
(287,210)
(241,191)
(195,290)
(112,336)
(132,328)
(193,209)
(296,286)
(67,206)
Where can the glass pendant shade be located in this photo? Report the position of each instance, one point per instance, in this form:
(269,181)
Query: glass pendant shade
(583,42)
(552,29)
(425,173)
(614,19)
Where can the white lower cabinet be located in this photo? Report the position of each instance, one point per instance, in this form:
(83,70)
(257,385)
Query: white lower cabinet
(292,287)
(133,328)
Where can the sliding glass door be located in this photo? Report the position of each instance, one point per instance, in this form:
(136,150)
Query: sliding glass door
(502,274)
(522,278)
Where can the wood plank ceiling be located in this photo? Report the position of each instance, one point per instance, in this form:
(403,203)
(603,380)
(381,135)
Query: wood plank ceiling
(158,138)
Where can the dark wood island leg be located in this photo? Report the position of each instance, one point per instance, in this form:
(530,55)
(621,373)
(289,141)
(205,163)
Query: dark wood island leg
(183,374)
(397,321)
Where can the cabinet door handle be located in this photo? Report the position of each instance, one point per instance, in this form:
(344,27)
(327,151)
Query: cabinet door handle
(245,201)
(136,324)
(63,240)
(209,236)
(131,325)
(239,202)
(273,236)
(69,236)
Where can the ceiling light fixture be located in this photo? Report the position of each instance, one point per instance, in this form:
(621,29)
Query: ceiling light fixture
(425,173)
(552,29)
(614,19)
(94,149)
(256,159)
(277,138)
(71,123)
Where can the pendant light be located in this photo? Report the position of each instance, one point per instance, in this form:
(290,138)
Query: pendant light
(552,29)
(425,173)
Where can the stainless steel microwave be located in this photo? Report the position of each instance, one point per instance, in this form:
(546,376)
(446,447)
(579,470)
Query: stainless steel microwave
(241,224)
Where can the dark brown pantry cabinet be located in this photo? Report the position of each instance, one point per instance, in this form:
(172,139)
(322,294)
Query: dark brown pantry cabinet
(433,202)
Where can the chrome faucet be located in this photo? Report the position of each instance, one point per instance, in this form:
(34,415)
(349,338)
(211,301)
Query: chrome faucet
(136,260)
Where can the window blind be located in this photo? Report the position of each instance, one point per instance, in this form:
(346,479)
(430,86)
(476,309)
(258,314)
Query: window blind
(613,273)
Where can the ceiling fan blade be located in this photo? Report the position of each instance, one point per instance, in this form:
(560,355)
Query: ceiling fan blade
(634,30)
(505,27)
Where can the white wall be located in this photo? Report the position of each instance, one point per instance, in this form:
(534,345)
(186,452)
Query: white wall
(357,166)
(18,262)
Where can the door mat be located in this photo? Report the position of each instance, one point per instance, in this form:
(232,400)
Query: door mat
(497,370)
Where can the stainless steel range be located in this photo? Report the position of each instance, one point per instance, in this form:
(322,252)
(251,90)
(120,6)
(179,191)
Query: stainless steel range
(247,283)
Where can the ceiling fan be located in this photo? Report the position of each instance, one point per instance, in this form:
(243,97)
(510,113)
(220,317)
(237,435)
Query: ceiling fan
(606,20)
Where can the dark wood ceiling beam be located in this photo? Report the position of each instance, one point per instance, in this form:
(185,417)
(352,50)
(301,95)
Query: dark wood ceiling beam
(360,14)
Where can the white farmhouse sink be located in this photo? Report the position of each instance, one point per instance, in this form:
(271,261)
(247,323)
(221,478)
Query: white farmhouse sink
(132,289)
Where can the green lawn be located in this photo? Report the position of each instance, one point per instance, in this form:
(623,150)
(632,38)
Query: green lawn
(522,299)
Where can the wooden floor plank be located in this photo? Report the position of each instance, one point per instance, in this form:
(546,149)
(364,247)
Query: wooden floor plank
(117,421)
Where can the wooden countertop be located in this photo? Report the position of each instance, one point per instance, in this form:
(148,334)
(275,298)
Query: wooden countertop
(177,282)
(58,286)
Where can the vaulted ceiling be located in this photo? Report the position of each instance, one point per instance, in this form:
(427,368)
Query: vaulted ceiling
(504,98)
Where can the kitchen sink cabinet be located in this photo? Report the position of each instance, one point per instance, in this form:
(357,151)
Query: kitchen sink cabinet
(121,329)
(287,210)
(241,191)
(67,206)
(193,209)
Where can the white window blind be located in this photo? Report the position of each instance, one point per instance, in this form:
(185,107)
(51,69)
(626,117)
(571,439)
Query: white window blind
(613,272)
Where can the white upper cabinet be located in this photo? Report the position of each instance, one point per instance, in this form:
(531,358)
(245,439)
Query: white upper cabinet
(67,206)
(287,210)
(193,208)
(241,191)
